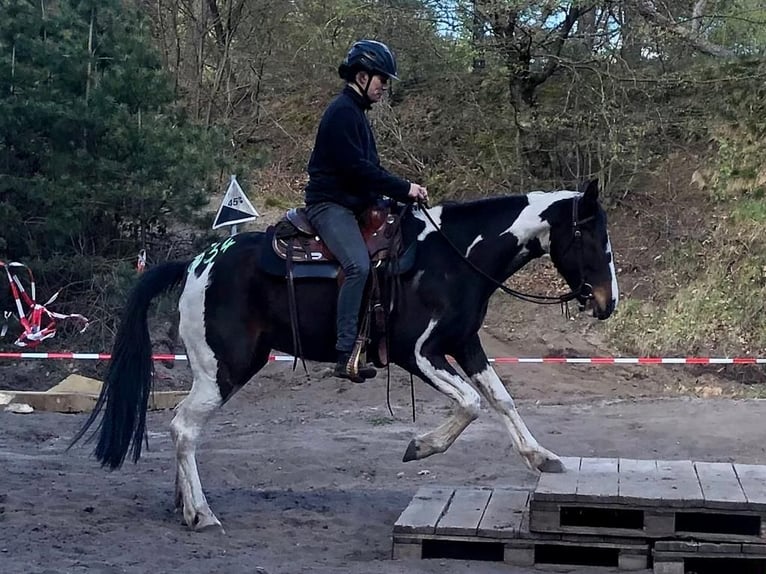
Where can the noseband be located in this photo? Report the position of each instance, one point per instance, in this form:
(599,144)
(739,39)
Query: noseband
(584,291)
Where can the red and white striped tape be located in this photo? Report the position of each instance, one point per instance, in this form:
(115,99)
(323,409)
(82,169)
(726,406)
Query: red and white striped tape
(497,360)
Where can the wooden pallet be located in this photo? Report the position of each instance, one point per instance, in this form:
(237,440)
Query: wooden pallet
(492,524)
(653,499)
(678,557)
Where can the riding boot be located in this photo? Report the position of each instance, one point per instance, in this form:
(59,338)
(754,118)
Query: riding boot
(342,368)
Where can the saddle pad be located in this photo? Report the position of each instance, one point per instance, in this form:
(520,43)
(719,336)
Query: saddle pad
(272,264)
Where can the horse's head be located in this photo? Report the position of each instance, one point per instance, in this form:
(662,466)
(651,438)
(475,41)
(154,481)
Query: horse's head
(581,251)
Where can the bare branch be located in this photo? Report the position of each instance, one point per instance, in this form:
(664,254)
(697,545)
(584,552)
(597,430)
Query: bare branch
(649,11)
(699,9)
(563,32)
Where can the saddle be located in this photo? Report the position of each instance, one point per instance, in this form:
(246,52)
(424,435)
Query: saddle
(295,238)
(295,241)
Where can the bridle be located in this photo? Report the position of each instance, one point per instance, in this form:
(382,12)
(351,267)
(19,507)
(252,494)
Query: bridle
(584,291)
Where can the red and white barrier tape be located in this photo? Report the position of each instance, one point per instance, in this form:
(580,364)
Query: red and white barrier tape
(39,322)
(497,360)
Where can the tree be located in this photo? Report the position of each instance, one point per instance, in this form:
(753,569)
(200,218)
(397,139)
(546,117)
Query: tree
(94,155)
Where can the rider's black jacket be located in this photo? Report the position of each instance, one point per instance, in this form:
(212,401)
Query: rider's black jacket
(344,167)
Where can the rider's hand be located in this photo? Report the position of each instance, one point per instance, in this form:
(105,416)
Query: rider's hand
(418,192)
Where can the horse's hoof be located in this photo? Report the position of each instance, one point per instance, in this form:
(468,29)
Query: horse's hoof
(552,465)
(412,452)
(204,523)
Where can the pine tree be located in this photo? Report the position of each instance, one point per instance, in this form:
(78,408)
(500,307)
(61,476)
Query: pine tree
(94,155)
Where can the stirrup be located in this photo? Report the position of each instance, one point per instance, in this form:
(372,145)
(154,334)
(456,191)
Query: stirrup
(349,367)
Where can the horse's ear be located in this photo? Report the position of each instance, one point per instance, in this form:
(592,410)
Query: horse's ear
(590,189)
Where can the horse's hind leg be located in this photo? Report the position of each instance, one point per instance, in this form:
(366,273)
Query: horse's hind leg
(474,362)
(224,371)
(185,428)
(210,376)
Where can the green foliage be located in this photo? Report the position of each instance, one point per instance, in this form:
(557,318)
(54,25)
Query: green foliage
(718,309)
(741,25)
(94,158)
(738,169)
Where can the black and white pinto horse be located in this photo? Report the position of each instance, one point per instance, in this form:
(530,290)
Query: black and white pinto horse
(233,314)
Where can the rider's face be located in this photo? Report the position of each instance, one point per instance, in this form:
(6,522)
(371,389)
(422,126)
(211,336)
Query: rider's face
(376,89)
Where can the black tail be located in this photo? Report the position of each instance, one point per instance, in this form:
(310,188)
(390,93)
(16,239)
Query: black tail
(125,393)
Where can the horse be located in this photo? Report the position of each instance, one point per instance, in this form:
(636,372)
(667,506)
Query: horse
(234,313)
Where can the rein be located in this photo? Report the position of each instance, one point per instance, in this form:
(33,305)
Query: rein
(584,290)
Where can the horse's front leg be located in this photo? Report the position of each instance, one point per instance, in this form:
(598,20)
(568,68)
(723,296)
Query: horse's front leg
(473,361)
(442,376)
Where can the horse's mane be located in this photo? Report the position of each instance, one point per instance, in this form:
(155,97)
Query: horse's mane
(493,200)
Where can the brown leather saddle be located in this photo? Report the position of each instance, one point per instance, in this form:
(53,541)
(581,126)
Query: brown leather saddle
(296,239)
(297,243)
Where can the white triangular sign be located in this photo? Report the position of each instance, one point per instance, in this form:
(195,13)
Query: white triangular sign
(235,207)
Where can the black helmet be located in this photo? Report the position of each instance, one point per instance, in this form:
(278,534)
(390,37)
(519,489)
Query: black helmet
(370,56)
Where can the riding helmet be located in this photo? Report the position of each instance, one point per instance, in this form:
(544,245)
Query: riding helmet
(370,56)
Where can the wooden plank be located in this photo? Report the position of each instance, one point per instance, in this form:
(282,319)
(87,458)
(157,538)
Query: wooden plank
(519,555)
(559,486)
(676,546)
(659,522)
(424,510)
(719,548)
(464,512)
(752,477)
(626,560)
(636,478)
(69,402)
(630,554)
(630,557)
(541,520)
(598,480)
(720,485)
(504,512)
(404,550)
(674,567)
(677,484)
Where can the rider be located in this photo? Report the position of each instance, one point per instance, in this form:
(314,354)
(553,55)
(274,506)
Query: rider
(345,178)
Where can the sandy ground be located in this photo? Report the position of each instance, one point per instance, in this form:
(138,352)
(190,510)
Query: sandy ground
(306,474)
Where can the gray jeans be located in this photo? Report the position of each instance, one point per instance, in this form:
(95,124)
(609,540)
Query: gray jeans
(339,230)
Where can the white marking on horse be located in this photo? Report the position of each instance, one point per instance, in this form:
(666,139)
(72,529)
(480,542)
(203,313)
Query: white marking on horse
(529,224)
(468,400)
(196,408)
(436,215)
(191,307)
(500,400)
(473,244)
(455,388)
(615,287)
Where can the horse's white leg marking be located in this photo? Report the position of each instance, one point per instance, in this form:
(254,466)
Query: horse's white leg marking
(196,408)
(451,384)
(526,445)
